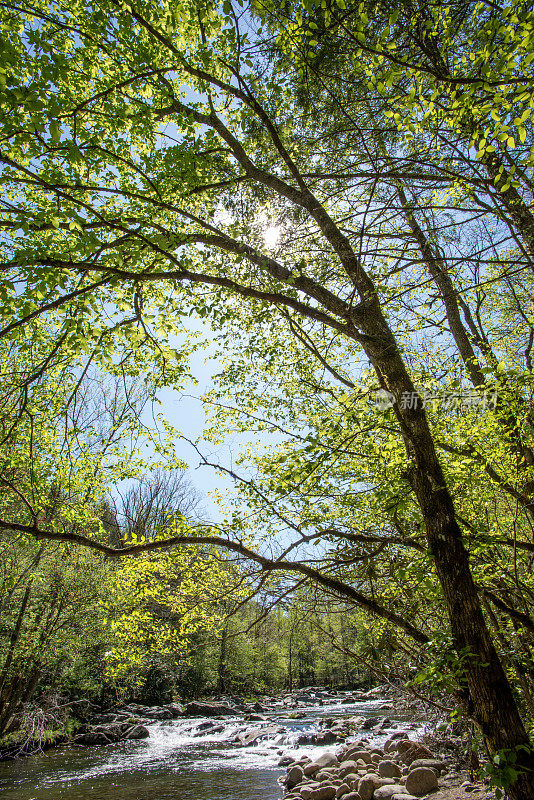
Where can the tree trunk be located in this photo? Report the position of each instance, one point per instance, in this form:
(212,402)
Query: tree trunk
(221,669)
(493,706)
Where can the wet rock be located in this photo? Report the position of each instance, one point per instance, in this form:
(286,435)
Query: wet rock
(285,761)
(93,738)
(209,727)
(176,710)
(137,732)
(328,737)
(197,709)
(204,726)
(385,723)
(420,781)
(255,735)
(294,776)
(109,734)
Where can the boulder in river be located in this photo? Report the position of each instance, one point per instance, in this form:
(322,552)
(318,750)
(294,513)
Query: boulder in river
(294,776)
(327,760)
(109,734)
(328,737)
(198,709)
(257,734)
(137,732)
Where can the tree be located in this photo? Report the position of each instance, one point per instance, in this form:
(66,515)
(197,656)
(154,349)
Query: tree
(159,603)
(102,216)
(68,434)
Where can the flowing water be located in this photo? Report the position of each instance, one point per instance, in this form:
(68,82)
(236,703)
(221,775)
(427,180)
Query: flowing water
(177,762)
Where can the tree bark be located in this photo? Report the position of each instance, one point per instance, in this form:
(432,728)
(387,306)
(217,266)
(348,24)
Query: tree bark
(493,706)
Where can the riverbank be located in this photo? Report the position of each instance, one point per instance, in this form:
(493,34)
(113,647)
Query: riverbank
(402,769)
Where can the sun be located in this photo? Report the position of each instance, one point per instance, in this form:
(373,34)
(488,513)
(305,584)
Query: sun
(271,236)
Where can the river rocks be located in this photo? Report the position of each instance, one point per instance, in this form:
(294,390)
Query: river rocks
(356,752)
(420,781)
(327,760)
(391,743)
(250,737)
(285,761)
(388,769)
(387,792)
(328,737)
(347,766)
(197,709)
(411,751)
(109,734)
(368,784)
(382,725)
(294,776)
(321,793)
(204,726)
(432,763)
(360,772)
(137,732)
(208,727)
(156,713)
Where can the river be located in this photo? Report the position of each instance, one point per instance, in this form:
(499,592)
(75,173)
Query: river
(177,762)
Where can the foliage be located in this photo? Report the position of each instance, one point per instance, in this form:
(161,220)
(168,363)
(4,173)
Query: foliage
(156,606)
(148,152)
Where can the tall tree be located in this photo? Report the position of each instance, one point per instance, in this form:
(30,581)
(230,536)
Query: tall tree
(147,151)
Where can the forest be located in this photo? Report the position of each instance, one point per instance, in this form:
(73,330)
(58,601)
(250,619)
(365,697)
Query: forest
(317,218)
